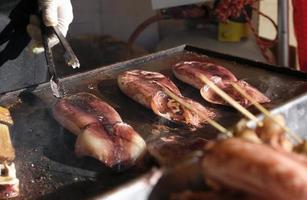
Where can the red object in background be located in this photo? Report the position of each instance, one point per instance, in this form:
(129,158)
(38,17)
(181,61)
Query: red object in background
(300,26)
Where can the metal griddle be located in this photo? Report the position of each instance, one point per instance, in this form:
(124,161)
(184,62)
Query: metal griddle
(45,161)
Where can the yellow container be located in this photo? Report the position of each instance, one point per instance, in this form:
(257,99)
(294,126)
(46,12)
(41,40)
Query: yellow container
(232,31)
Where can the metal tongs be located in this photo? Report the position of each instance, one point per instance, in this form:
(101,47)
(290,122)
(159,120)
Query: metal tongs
(69,56)
(16,37)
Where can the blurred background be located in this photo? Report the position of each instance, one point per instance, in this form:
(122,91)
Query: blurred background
(109,31)
(119,19)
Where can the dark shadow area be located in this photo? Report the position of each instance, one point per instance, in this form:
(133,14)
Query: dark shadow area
(184,177)
(29,98)
(92,188)
(16,43)
(14,35)
(76,191)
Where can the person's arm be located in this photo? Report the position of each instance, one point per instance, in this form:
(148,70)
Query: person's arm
(54,13)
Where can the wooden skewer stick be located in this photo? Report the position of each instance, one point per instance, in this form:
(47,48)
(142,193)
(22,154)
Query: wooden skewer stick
(228,99)
(190,107)
(266,113)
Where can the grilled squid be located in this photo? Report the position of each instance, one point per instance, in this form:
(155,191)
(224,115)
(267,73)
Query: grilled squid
(145,88)
(189,71)
(256,169)
(100,131)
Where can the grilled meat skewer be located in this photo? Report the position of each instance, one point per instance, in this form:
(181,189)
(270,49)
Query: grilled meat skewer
(145,88)
(189,71)
(257,169)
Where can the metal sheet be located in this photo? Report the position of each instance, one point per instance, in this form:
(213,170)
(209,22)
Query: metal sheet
(46,164)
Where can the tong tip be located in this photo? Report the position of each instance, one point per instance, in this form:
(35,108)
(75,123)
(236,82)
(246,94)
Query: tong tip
(75,64)
(57,89)
(72,60)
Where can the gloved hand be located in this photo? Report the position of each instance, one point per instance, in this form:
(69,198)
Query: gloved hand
(54,13)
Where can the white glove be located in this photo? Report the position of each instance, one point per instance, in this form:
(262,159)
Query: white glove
(55,13)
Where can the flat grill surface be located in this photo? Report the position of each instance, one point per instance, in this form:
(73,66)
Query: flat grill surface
(46,164)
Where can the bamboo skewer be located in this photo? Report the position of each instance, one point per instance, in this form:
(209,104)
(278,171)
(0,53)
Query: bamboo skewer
(190,107)
(228,99)
(266,113)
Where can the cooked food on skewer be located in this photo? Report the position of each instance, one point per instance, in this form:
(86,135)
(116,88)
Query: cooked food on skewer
(248,95)
(256,169)
(227,98)
(273,134)
(100,131)
(269,133)
(272,131)
(9,184)
(146,88)
(254,164)
(209,94)
(243,132)
(301,148)
(190,71)
(279,122)
(189,105)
